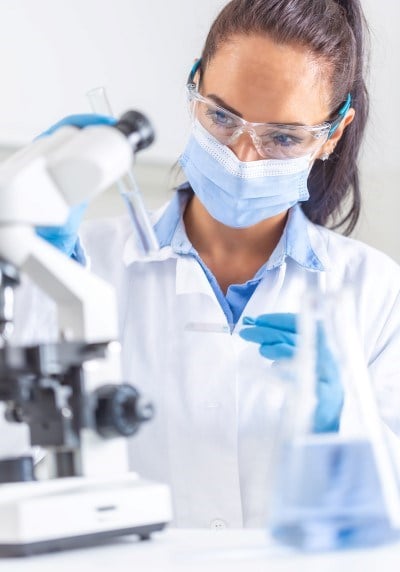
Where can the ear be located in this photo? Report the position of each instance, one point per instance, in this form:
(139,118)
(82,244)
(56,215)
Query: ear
(329,146)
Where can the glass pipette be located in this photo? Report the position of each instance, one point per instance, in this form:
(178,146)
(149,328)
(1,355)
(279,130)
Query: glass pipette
(127,186)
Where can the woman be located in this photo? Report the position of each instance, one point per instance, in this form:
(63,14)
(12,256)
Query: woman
(279,107)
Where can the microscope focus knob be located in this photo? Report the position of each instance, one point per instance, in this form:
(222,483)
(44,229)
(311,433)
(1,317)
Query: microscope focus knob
(120,410)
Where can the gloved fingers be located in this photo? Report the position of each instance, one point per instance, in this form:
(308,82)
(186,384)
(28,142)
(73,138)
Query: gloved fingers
(327,367)
(277,351)
(80,120)
(333,394)
(268,335)
(284,322)
(329,407)
(71,225)
(277,336)
(57,237)
(75,216)
(64,237)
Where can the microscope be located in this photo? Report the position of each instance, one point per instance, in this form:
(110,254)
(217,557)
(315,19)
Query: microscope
(68,393)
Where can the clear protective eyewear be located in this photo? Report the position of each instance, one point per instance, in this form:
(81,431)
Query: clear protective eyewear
(272,140)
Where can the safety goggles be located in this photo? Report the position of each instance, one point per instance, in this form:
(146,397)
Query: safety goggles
(272,140)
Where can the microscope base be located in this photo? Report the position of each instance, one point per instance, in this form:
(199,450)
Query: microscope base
(46,516)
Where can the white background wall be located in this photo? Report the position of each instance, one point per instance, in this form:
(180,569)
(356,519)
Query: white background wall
(53,51)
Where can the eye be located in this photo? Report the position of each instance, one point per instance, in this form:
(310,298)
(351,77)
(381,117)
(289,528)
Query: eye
(285,140)
(221,118)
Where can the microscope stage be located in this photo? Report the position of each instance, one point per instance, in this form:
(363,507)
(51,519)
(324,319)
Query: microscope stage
(44,516)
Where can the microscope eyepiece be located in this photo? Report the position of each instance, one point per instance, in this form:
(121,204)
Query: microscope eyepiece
(137,128)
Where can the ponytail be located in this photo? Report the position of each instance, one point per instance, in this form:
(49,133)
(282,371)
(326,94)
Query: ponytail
(335,184)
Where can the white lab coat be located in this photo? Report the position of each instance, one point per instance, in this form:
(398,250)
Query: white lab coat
(203,441)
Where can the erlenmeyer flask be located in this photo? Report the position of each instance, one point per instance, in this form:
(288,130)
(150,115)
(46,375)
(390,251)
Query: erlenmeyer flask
(336,489)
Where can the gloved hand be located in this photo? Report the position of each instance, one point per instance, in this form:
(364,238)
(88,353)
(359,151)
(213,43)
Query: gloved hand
(64,237)
(80,120)
(278,338)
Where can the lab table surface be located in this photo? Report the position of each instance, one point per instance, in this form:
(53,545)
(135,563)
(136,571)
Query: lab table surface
(211,550)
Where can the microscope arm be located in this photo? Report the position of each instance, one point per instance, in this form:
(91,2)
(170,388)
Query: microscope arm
(86,304)
(37,187)
(39,183)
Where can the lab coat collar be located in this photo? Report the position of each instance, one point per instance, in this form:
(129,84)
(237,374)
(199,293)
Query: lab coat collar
(301,240)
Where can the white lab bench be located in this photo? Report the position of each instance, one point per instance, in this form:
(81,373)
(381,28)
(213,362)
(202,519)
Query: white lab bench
(211,550)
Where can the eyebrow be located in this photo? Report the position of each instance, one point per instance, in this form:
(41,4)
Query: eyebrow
(223,104)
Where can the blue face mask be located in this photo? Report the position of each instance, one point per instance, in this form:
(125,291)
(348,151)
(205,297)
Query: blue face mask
(240,194)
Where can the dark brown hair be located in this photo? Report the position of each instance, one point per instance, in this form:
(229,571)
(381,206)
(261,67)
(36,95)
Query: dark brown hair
(335,32)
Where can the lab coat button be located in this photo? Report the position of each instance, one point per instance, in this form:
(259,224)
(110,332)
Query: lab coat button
(218,524)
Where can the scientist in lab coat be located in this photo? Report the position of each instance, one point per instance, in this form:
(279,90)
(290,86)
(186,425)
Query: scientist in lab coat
(279,106)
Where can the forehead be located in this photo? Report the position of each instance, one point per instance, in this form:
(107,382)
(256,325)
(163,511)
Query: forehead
(266,81)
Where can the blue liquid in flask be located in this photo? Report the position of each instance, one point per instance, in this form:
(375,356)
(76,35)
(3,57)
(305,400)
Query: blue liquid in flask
(328,496)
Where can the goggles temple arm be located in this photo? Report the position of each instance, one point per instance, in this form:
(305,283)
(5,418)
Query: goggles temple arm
(195,68)
(341,114)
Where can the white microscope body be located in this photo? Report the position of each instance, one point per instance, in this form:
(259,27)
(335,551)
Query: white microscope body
(70,393)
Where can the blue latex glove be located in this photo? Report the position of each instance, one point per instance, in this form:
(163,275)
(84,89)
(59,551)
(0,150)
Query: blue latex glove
(80,120)
(277,336)
(65,237)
